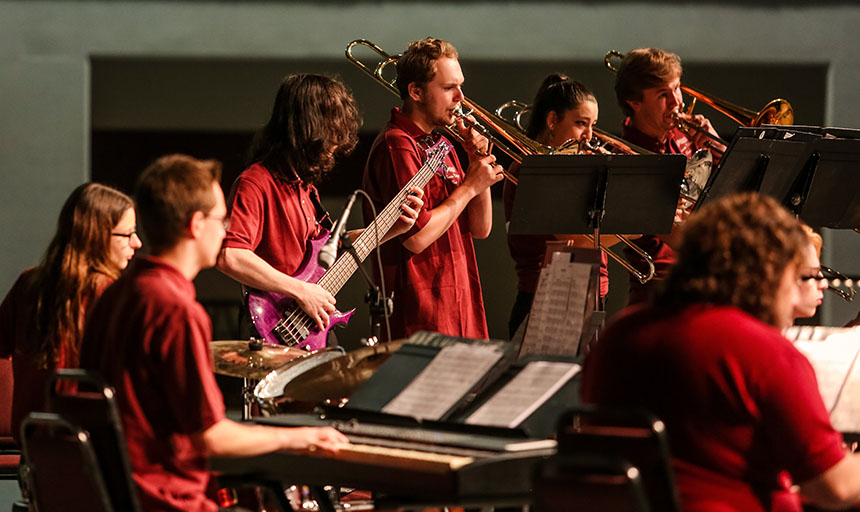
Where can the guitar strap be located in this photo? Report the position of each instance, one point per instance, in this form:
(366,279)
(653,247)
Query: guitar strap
(322,215)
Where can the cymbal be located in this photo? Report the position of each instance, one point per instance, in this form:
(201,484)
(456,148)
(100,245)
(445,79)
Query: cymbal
(242,358)
(338,378)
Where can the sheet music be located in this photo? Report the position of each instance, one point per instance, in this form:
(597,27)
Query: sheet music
(833,355)
(450,375)
(846,413)
(522,396)
(815,332)
(558,309)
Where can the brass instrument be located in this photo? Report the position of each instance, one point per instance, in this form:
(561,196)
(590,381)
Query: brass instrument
(602,143)
(522,145)
(777,111)
(690,128)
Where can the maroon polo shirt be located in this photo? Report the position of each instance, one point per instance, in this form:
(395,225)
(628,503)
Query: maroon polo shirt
(271,217)
(676,143)
(18,336)
(439,288)
(149,337)
(741,405)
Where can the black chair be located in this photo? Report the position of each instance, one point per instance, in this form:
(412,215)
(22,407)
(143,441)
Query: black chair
(589,484)
(615,440)
(84,398)
(64,474)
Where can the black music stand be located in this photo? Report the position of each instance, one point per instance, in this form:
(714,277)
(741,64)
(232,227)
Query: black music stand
(585,194)
(828,196)
(594,194)
(806,169)
(751,164)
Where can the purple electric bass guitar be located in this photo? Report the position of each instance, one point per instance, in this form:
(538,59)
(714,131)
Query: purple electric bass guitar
(280,320)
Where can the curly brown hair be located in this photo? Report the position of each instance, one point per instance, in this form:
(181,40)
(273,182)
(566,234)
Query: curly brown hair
(642,69)
(314,120)
(418,62)
(734,252)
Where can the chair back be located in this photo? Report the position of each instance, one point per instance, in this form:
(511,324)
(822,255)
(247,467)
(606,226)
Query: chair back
(10,453)
(85,398)
(634,437)
(64,474)
(589,484)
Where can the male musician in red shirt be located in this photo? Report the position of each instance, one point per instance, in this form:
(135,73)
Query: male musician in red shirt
(274,205)
(648,89)
(148,336)
(433,271)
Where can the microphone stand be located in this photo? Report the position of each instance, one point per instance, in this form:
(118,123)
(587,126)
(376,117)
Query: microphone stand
(380,307)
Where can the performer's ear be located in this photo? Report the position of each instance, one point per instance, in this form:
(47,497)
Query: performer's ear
(196,224)
(551,120)
(416,92)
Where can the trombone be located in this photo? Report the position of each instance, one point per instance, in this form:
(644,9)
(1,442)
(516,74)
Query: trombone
(522,145)
(777,111)
(515,137)
(601,143)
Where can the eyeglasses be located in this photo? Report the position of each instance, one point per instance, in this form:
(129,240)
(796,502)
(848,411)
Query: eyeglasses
(225,220)
(126,235)
(818,276)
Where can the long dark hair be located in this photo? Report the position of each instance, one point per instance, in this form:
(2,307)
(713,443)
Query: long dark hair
(68,272)
(558,93)
(312,114)
(733,253)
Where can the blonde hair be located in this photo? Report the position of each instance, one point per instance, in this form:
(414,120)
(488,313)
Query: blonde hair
(418,62)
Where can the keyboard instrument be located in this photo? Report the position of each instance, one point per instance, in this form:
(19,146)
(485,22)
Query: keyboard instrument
(407,464)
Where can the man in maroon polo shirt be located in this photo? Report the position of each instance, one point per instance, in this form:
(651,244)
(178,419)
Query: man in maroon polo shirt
(648,89)
(433,271)
(148,336)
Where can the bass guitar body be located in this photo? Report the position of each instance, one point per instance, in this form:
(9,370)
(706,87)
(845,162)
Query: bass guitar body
(279,319)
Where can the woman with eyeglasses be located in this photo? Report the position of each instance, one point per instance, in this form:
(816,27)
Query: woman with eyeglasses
(42,317)
(811,282)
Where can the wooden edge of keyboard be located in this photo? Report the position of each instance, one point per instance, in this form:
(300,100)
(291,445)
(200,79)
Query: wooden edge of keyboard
(399,457)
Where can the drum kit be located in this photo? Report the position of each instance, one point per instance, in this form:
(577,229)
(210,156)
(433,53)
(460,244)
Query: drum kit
(281,379)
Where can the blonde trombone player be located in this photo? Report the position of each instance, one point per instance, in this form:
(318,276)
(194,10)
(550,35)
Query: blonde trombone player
(648,90)
(432,268)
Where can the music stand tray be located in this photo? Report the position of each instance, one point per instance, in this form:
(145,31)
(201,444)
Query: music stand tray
(769,166)
(832,200)
(556,194)
(807,169)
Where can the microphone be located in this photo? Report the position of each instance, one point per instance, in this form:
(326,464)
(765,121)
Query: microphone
(328,251)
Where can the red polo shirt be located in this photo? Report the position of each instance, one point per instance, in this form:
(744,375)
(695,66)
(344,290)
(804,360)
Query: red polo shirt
(18,336)
(740,403)
(438,289)
(271,217)
(676,143)
(149,337)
